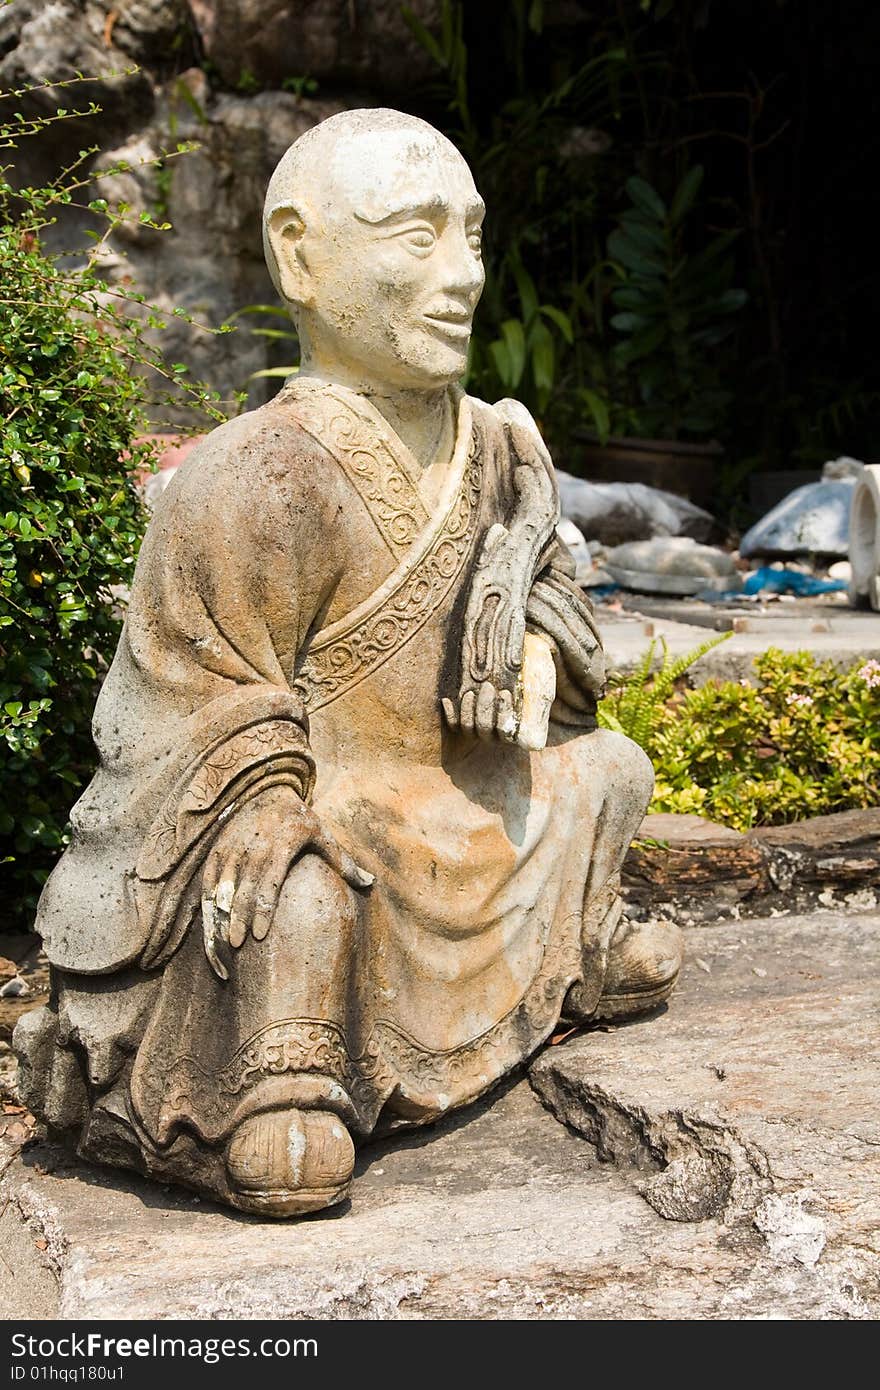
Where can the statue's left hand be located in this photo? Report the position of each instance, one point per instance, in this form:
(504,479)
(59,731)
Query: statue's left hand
(558,612)
(489,702)
(492,640)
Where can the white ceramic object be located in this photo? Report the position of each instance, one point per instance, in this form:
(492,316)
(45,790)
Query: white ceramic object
(864,539)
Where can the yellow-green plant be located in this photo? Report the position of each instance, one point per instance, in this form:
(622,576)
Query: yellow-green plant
(802,739)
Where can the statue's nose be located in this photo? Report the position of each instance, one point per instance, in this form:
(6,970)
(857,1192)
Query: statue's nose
(464,275)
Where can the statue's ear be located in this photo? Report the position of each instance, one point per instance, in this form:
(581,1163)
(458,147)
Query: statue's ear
(285,233)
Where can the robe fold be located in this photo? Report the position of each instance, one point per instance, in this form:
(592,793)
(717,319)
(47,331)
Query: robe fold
(295,621)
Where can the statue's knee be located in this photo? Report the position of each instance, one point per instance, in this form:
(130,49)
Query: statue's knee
(630,772)
(314,892)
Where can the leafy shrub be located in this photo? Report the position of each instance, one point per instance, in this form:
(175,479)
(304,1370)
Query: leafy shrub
(803,741)
(72,406)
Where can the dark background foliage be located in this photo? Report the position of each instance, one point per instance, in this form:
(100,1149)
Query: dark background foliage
(558,105)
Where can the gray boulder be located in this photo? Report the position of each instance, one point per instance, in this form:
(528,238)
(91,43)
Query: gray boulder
(616,512)
(812,520)
(672,565)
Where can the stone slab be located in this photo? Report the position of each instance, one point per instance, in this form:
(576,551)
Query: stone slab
(752,1102)
(757,612)
(502,1212)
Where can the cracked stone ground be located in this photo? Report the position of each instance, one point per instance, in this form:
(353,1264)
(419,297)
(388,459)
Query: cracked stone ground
(719,1160)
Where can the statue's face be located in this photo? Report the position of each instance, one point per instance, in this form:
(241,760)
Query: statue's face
(392,259)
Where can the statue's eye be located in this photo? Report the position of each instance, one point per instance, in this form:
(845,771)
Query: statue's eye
(475,241)
(419,238)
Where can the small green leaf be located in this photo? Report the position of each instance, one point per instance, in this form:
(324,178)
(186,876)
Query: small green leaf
(599,412)
(625,323)
(562,321)
(528,295)
(543,356)
(646,198)
(273,372)
(685,194)
(424,36)
(514,341)
(625,251)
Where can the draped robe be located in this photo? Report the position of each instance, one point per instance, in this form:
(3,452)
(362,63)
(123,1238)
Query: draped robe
(295,621)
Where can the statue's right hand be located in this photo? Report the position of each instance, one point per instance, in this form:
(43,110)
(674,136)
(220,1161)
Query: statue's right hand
(244,873)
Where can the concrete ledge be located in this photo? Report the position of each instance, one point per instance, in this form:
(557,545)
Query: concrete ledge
(830,632)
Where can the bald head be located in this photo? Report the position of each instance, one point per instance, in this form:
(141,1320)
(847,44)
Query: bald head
(361,163)
(372,235)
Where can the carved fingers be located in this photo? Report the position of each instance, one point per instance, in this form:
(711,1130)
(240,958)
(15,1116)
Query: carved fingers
(484,712)
(492,642)
(557,613)
(494,624)
(490,696)
(248,864)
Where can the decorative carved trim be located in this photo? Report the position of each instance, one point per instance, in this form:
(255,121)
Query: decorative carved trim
(379,475)
(376,630)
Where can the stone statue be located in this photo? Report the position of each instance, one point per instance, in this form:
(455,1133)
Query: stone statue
(353,847)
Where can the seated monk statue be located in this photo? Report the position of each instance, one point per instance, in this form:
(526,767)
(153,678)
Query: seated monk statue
(354,844)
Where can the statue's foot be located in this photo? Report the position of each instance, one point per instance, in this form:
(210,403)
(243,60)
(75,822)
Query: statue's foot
(288,1162)
(644,959)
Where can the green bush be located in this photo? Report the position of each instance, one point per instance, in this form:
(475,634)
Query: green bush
(803,741)
(72,350)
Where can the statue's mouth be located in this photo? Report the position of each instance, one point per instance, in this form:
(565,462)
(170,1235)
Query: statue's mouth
(451,325)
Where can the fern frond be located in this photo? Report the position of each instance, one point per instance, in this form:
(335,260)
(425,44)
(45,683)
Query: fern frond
(681,663)
(639,701)
(609,721)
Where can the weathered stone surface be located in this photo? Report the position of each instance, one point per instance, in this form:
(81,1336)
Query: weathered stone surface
(501,1212)
(671,565)
(702,871)
(616,512)
(812,520)
(752,1102)
(275,40)
(212,264)
(150,30)
(42,42)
